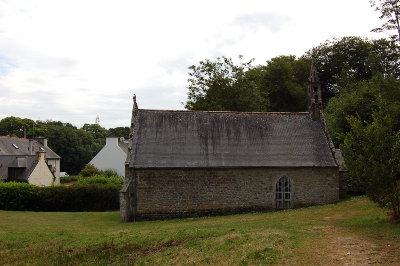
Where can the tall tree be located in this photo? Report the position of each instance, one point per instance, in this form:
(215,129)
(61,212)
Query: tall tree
(224,85)
(284,81)
(372,157)
(390,13)
(352,59)
(360,99)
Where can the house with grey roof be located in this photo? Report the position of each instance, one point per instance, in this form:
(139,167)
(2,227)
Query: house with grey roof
(182,163)
(28,160)
(112,155)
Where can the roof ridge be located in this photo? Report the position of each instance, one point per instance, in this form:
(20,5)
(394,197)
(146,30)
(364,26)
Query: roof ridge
(230,112)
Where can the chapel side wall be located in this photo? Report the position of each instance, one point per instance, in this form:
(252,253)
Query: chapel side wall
(181,192)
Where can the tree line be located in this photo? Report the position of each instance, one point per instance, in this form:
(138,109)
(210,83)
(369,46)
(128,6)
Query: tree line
(76,146)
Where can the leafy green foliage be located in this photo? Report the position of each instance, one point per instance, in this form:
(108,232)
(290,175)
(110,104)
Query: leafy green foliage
(72,144)
(89,170)
(119,132)
(100,179)
(284,81)
(17,196)
(372,158)
(361,99)
(223,85)
(352,59)
(91,197)
(68,179)
(85,197)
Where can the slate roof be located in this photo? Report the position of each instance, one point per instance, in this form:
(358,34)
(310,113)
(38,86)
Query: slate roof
(123,144)
(179,139)
(11,161)
(6,147)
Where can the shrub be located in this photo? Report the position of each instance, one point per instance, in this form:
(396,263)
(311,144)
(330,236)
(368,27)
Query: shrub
(100,179)
(22,196)
(17,196)
(68,179)
(89,170)
(79,198)
(109,173)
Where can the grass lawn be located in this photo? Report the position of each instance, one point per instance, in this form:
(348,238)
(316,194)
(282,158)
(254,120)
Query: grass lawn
(353,231)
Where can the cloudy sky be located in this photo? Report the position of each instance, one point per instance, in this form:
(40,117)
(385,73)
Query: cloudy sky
(75,59)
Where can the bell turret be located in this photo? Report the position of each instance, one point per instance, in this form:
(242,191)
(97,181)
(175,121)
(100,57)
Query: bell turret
(314,94)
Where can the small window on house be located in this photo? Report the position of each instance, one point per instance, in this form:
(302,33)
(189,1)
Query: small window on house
(15,146)
(41,148)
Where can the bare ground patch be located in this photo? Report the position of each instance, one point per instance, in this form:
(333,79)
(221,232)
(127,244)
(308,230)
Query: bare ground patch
(337,246)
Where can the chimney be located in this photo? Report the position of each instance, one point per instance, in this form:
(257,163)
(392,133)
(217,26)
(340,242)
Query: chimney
(40,155)
(30,147)
(42,140)
(314,94)
(112,141)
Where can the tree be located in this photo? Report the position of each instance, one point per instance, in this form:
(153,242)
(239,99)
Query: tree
(223,85)
(372,158)
(15,126)
(119,132)
(75,146)
(390,13)
(284,81)
(360,99)
(352,59)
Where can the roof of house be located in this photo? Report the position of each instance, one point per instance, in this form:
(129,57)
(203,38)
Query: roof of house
(20,146)
(7,161)
(123,144)
(178,139)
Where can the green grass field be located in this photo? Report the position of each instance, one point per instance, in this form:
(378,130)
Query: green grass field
(353,231)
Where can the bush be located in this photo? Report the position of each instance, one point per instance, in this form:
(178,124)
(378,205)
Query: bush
(22,196)
(100,179)
(17,196)
(89,170)
(109,173)
(79,198)
(68,179)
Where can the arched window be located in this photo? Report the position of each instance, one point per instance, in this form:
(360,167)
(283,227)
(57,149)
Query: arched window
(283,193)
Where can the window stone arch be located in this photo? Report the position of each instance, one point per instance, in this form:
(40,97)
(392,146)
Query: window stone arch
(284,193)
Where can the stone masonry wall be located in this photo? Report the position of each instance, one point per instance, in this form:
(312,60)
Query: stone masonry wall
(172,192)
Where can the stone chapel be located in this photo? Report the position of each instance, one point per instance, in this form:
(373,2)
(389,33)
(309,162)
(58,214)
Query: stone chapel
(183,163)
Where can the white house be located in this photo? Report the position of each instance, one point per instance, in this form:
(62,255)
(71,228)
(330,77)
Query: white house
(112,156)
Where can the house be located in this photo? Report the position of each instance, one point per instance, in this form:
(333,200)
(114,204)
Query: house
(183,163)
(112,156)
(28,160)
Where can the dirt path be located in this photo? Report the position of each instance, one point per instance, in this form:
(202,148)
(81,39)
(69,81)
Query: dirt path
(336,246)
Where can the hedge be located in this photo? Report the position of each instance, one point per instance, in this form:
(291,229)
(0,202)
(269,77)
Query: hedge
(22,196)
(17,196)
(99,179)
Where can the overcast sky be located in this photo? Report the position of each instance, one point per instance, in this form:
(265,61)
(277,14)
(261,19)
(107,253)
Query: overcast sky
(73,60)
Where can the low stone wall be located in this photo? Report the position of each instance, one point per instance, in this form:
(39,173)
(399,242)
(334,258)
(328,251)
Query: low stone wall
(187,192)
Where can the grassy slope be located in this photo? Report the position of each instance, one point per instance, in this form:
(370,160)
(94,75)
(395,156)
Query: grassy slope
(302,236)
